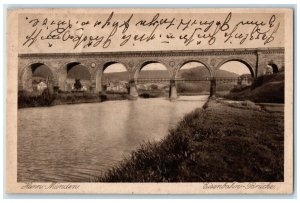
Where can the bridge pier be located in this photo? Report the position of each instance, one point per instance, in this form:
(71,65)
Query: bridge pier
(213,87)
(132,89)
(172,90)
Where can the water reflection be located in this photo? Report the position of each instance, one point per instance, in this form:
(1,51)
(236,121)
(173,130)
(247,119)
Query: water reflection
(79,142)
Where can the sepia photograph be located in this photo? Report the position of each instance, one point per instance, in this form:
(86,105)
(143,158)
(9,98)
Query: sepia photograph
(150,101)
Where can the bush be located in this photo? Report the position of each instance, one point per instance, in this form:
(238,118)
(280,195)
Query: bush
(239,88)
(34,99)
(259,81)
(154,87)
(266,89)
(193,87)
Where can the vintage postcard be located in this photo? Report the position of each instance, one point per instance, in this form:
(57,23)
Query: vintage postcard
(150,101)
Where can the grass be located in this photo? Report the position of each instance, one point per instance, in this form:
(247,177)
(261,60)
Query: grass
(201,87)
(109,96)
(218,143)
(33,99)
(266,89)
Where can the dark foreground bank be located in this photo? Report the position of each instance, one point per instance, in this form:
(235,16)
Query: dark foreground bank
(217,143)
(46,99)
(265,89)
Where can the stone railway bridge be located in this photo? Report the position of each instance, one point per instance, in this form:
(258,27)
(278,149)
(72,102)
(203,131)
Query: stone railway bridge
(96,62)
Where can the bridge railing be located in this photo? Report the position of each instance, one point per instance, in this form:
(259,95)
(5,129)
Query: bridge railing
(182,80)
(202,79)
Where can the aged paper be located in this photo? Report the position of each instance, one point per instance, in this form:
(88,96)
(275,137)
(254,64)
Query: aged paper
(55,147)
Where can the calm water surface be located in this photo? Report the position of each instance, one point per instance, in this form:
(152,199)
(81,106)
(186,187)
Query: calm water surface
(70,143)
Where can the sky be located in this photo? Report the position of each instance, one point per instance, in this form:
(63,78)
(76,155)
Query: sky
(235,67)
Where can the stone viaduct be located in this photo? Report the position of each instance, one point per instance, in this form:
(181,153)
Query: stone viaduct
(96,62)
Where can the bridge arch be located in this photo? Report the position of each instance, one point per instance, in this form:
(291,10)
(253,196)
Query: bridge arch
(151,81)
(274,67)
(143,64)
(36,69)
(186,75)
(243,61)
(181,65)
(67,72)
(101,69)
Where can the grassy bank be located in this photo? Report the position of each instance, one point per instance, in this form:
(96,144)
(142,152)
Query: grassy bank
(153,93)
(32,99)
(110,96)
(218,143)
(265,89)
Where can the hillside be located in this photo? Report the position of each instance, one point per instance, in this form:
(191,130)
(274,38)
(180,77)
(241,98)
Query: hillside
(201,71)
(268,88)
(80,72)
(118,76)
(192,73)
(42,72)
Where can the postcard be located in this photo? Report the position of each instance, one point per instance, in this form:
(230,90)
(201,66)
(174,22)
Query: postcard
(150,101)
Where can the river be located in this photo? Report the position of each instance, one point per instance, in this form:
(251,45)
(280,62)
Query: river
(76,143)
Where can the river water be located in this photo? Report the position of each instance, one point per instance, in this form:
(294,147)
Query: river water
(76,143)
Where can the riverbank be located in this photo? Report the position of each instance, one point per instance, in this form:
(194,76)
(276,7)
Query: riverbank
(265,89)
(28,99)
(31,99)
(220,142)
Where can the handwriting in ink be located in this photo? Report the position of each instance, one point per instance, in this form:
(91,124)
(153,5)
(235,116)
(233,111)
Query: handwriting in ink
(134,29)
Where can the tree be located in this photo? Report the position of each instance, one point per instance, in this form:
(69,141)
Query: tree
(154,87)
(77,84)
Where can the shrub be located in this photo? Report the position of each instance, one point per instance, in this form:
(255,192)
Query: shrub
(34,99)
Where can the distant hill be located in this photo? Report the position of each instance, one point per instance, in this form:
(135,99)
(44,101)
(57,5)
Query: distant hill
(201,71)
(118,76)
(143,74)
(192,73)
(80,72)
(154,74)
(224,73)
(42,72)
